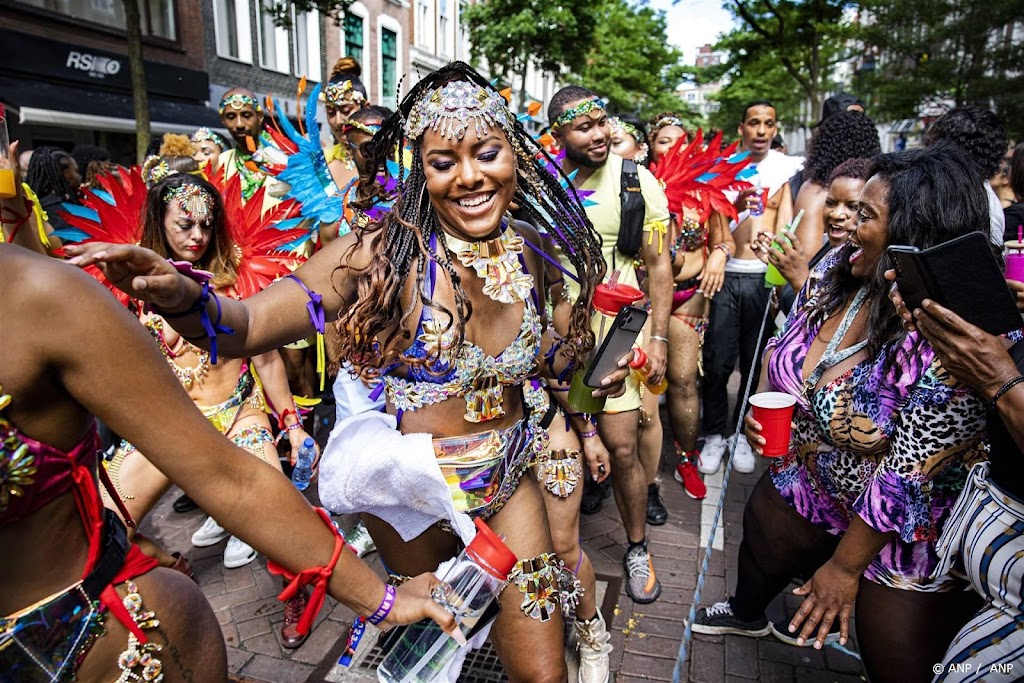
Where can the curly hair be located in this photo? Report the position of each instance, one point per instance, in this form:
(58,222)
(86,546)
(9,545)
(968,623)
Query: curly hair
(842,136)
(977,131)
(653,127)
(218,256)
(851,168)
(403,241)
(932,198)
(1017,172)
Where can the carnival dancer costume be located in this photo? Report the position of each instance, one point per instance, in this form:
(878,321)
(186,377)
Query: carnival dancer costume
(475,474)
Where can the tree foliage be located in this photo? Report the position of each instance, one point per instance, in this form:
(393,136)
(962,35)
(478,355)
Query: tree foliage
(512,35)
(785,51)
(630,62)
(945,51)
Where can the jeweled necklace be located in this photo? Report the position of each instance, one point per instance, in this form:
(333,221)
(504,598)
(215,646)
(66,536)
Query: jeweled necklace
(497,262)
(187,376)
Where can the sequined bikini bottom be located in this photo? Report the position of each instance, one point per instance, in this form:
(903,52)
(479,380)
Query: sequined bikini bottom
(482,470)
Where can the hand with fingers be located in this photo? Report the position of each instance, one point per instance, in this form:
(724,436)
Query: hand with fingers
(971,355)
(596,455)
(414,601)
(139,272)
(614,385)
(786,253)
(897,301)
(712,278)
(1018,293)
(829,594)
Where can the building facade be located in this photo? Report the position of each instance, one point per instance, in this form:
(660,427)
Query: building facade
(67,79)
(377,34)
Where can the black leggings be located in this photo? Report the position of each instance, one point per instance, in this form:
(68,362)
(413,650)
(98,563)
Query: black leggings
(901,633)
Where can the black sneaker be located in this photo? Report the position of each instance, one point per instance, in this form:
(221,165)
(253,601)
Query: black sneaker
(719,619)
(184,504)
(593,497)
(642,586)
(656,512)
(788,638)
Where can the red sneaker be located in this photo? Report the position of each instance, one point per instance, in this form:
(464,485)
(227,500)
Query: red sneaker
(687,475)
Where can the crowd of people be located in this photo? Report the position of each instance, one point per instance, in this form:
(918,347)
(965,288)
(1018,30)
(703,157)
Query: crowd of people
(438,265)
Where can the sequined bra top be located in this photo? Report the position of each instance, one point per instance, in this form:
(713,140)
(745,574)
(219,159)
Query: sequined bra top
(34,474)
(469,372)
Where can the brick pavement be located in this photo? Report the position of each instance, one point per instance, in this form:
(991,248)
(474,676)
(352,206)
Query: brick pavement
(645,637)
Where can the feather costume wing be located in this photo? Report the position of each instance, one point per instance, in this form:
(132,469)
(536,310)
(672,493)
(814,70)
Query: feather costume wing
(262,243)
(113,213)
(696,175)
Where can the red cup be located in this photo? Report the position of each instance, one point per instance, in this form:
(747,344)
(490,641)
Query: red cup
(774,410)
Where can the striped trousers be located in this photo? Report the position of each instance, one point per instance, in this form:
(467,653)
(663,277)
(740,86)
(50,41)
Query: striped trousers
(985,535)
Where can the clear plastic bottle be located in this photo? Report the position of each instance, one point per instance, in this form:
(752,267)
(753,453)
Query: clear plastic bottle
(303,470)
(470,585)
(641,365)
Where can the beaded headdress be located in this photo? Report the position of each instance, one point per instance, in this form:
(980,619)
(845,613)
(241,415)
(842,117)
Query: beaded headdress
(196,203)
(620,126)
(667,121)
(581,109)
(204,134)
(450,108)
(238,100)
(342,92)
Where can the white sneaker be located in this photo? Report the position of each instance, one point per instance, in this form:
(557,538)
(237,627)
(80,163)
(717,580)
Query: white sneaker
(742,456)
(592,641)
(711,454)
(210,533)
(359,540)
(238,553)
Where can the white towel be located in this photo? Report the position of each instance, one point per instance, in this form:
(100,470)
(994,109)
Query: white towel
(369,466)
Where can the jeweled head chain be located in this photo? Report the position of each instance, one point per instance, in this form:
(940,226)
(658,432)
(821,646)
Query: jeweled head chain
(667,121)
(369,129)
(620,126)
(238,100)
(449,110)
(195,201)
(581,109)
(342,92)
(204,134)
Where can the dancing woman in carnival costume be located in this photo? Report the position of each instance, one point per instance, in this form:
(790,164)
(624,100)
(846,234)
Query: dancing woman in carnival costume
(442,300)
(81,602)
(694,175)
(209,146)
(343,96)
(184,218)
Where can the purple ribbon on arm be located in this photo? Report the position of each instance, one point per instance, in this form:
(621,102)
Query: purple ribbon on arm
(314,306)
(211,328)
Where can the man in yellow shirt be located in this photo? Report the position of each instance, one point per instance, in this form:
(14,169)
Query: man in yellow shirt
(580,126)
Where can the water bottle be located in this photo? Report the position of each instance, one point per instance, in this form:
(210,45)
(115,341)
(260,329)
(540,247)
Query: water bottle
(609,299)
(641,366)
(468,588)
(303,470)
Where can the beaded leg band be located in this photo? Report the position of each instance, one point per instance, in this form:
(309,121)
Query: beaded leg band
(559,471)
(546,585)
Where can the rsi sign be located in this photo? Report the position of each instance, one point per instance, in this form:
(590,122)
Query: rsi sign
(96,66)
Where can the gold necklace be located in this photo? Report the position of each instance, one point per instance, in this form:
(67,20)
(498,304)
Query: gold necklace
(497,262)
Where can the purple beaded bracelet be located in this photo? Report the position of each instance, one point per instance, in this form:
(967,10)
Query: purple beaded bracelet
(385,605)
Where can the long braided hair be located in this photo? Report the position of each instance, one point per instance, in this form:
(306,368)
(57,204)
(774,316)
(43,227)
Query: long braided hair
(46,173)
(402,239)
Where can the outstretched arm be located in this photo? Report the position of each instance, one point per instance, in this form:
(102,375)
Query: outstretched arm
(276,316)
(63,307)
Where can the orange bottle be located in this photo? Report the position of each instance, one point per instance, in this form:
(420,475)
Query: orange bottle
(7,188)
(641,366)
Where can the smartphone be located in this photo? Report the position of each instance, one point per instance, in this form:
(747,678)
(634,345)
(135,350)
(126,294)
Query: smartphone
(617,343)
(908,275)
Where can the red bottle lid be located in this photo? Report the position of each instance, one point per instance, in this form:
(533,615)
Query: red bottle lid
(639,359)
(490,552)
(610,299)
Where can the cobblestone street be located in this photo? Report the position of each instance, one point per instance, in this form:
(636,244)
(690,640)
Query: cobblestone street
(645,637)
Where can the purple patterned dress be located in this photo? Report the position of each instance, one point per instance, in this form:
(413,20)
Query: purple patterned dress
(893,448)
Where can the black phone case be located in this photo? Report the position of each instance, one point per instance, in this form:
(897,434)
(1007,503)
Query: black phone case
(619,340)
(962,275)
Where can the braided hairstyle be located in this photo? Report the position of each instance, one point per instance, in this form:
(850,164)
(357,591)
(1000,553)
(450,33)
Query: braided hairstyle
(46,173)
(402,240)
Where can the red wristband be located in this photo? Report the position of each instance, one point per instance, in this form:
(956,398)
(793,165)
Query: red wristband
(284,414)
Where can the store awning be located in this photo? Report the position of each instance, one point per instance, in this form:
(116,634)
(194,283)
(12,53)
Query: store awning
(59,105)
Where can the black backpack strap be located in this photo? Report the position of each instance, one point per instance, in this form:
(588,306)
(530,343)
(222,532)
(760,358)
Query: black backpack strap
(634,210)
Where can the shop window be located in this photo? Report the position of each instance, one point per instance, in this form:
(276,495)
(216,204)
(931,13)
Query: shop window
(354,28)
(157,16)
